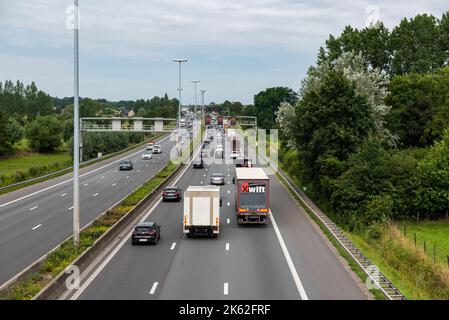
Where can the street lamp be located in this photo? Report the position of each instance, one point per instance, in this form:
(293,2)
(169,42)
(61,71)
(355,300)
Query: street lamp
(76,142)
(179,61)
(196,100)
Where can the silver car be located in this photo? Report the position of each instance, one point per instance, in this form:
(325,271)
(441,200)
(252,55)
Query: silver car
(217,178)
(146,155)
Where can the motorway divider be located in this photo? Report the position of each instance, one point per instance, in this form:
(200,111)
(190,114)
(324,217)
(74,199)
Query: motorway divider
(46,278)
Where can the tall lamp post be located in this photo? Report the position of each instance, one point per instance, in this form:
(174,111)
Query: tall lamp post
(196,100)
(76,142)
(179,61)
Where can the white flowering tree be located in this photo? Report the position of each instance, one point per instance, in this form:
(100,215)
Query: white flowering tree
(285,119)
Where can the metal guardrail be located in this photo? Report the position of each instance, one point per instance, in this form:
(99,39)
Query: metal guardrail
(380,281)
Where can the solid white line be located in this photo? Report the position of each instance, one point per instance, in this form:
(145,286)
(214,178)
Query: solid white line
(228,221)
(86,284)
(71,208)
(95,194)
(38,226)
(173,246)
(84,174)
(299,286)
(63,195)
(227,246)
(226,288)
(31,209)
(153,288)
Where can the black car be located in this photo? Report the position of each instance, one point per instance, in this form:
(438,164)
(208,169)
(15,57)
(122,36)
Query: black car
(172,193)
(126,165)
(198,164)
(146,232)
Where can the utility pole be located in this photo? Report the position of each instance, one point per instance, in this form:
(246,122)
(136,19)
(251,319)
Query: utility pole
(179,61)
(196,100)
(76,142)
(202,102)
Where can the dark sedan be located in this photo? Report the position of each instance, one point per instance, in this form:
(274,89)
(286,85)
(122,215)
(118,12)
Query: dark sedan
(198,164)
(146,232)
(172,193)
(126,165)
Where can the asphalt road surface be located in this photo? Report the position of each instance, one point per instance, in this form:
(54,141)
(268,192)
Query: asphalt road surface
(36,219)
(244,262)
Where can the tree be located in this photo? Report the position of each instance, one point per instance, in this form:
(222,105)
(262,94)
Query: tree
(14,130)
(331,122)
(44,133)
(10,133)
(285,119)
(267,102)
(415,45)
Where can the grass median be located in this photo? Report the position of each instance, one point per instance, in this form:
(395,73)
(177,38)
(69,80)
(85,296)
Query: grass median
(66,253)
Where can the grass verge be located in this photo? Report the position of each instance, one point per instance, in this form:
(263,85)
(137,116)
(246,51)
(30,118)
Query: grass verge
(66,253)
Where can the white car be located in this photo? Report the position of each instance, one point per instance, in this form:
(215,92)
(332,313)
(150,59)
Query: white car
(157,149)
(146,155)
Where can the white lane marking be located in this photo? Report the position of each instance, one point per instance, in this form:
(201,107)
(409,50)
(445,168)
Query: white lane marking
(173,246)
(127,177)
(114,184)
(71,208)
(84,174)
(35,207)
(115,171)
(229,182)
(146,165)
(86,184)
(201,182)
(229,191)
(138,170)
(153,288)
(228,204)
(228,221)
(38,226)
(100,268)
(204,175)
(291,266)
(229,175)
(207,169)
(95,194)
(226,289)
(228,168)
(227,246)
(102,177)
(63,195)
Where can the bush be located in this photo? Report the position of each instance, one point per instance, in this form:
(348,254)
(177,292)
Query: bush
(44,134)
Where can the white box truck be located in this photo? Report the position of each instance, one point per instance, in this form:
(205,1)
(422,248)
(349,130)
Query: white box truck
(201,211)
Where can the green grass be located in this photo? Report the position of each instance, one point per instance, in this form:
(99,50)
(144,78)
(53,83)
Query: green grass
(434,233)
(22,163)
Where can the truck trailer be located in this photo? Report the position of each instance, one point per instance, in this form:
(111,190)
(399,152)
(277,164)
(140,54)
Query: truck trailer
(252,199)
(201,211)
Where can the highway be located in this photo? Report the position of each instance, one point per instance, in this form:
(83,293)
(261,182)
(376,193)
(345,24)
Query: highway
(36,219)
(287,259)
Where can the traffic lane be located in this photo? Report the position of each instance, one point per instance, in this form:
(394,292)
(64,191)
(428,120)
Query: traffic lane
(13,195)
(244,262)
(21,245)
(320,270)
(134,269)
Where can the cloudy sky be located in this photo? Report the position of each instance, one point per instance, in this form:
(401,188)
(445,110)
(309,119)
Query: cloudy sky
(235,47)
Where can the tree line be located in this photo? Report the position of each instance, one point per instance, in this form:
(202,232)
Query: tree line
(369,133)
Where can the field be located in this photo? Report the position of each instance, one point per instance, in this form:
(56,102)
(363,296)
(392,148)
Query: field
(24,162)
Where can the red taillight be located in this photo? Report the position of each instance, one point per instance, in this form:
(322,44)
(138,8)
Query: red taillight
(165,193)
(152,233)
(176,193)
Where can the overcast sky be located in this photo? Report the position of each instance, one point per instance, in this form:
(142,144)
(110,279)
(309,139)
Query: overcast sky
(235,47)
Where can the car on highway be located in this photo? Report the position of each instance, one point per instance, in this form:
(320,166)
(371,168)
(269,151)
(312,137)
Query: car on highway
(217,178)
(157,148)
(198,163)
(146,155)
(172,193)
(150,146)
(146,232)
(126,165)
